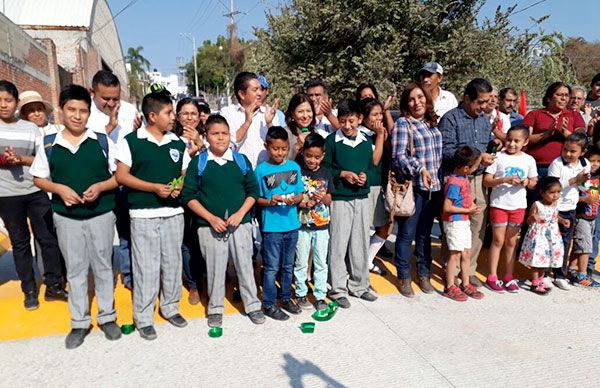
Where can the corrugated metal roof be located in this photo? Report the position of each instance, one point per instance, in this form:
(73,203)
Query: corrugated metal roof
(72,13)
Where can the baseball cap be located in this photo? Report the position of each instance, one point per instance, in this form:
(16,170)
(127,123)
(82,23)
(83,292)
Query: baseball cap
(432,67)
(263,81)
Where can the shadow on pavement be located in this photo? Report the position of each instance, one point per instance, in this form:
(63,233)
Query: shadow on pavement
(296,369)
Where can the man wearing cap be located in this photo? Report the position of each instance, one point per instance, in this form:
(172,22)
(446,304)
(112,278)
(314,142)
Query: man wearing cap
(265,94)
(430,77)
(117,118)
(33,108)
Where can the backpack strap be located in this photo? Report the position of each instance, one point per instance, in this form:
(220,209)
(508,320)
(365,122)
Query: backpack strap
(103,141)
(241,162)
(202,161)
(48,143)
(237,158)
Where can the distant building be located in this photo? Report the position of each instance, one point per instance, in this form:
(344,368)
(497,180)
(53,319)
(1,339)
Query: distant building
(81,36)
(171,82)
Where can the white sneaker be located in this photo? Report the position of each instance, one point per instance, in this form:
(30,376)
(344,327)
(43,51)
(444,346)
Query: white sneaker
(548,282)
(563,284)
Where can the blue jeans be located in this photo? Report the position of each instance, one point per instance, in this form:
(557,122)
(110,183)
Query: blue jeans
(122,253)
(595,241)
(279,250)
(416,228)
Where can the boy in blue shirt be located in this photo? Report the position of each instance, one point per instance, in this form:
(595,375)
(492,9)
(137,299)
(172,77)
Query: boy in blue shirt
(281,189)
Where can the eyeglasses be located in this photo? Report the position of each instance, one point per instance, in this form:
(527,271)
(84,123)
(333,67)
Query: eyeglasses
(193,115)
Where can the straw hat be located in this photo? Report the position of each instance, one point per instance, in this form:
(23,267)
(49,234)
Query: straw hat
(29,96)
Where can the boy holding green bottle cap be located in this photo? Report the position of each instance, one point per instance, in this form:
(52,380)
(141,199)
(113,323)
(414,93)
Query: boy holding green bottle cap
(151,161)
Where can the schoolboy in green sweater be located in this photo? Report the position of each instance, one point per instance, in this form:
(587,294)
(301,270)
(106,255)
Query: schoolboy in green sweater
(349,156)
(148,160)
(77,168)
(221,188)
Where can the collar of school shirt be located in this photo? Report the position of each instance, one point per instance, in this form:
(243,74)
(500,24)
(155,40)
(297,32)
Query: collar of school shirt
(365,130)
(360,137)
(168,137)
(582,161)
(221,160)
(61,141)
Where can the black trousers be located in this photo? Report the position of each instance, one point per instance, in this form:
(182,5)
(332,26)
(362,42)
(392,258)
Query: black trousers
(15,211)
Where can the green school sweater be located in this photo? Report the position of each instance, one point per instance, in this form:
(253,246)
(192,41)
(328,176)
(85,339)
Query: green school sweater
(156,164)
(341,157)
(79,171)
(223,188)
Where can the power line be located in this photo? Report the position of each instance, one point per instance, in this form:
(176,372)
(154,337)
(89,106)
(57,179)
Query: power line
(132,2)
(529,6)
(197,13)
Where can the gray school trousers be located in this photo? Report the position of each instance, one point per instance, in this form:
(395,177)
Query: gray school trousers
(155,256)
(86,243)
(349,233)
(216,249)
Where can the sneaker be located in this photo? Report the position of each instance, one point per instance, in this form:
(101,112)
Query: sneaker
(194,297)
(343,302)
(291,307)
(563,284)
(425,284)
(31,301)
(512,286)
(548,283)
(455,293)
(215,320)
(406,288)
(177,320)
(378,270)
(304,303)
(257,317)
(275,313)
(494,285)
(111,331)
(56,292)
(76,337)
(148,333)
(474,280)
(321,305)
(471,291)
(368,297)
(540,288)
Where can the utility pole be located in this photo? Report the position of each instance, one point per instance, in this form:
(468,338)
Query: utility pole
(193,39)
(233,47)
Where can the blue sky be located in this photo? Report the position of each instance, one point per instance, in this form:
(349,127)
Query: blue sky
(157,28)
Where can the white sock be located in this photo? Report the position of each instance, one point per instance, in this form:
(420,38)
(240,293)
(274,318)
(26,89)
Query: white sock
(374,246)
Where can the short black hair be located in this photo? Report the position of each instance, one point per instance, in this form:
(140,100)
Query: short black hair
(592,151)
(106,78)
(241,82)
(215,119)
(517,128)
(348,108)
(316,82)
(465,156)
(547,182)
(74,92)
(314,140)
(595,80)
(551,90)
(363,86)
(10,88)
(578,138)
(276,133)
(477,86)
(503,92)
(154,103)
(203,108)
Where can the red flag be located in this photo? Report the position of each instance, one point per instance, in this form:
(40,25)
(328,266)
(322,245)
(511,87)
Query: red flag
(523,104)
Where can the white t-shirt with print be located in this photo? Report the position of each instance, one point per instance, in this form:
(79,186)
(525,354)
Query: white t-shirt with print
(569,196)
(511,197)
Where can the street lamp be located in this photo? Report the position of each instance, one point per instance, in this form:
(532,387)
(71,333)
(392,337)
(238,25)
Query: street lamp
(193,39)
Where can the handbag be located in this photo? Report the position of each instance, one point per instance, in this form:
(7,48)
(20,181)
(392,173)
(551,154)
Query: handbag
(399,195)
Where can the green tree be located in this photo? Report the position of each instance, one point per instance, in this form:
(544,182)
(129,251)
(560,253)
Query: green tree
(137,74)
(386,42)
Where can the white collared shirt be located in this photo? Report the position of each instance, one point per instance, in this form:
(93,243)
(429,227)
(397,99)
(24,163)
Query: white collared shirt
(124,156)
(99,120)
(504,118)
(40,167)
(220,160)
(445,102)
(253,144)
(569,196)
(360,137)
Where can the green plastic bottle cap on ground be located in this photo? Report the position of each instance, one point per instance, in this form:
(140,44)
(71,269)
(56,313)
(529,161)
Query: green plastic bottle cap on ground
(128,329)
(307,327)
(215,332)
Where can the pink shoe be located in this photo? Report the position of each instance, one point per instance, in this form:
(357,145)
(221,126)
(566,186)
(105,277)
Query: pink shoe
(512,286)
(495,285)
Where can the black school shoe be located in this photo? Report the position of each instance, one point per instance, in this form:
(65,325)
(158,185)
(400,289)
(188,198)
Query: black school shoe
(147,333)
(76,337)
(275,313)
(56,292)
(111,330)
(31,301)
(291,307)
(177,320)
(343,302)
